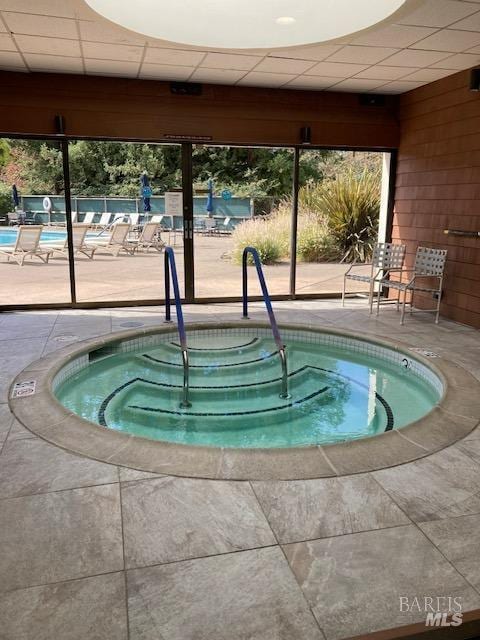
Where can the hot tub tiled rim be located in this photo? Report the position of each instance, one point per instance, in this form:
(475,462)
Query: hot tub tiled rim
(42,414)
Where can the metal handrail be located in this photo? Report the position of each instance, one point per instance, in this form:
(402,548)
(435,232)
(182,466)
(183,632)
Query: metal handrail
(170,266)
(268,304)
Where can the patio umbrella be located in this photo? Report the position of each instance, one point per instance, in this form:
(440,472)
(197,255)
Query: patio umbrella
(15,196)
(210,197)
(146,192)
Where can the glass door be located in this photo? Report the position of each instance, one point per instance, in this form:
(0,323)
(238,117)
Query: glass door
(242,196)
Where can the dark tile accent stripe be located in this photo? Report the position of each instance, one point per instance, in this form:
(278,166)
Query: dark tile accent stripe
(288,405)
(202,366)
(239,346)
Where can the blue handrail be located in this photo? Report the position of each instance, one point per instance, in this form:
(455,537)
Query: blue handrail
(170,266)
(268,304)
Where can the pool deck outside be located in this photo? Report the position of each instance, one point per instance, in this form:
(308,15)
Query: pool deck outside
(91,550)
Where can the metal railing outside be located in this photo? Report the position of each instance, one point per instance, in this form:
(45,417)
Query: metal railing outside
(268,304)
(170,266)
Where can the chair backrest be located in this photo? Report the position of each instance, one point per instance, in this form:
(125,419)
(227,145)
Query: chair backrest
(387,255)
(13,215)
(156,218)
(105,219)
(430,262)
(119,232)
(148,232)
(28,237)
(88,218)
(210,223)
(79,233)
(226,222)
(134,218)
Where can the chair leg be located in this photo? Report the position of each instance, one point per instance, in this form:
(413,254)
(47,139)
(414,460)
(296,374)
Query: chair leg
(378,301)
(437,314)
(402,318)
(343,291)
(370,295)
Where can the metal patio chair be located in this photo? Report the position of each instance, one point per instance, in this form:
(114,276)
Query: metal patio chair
(426,277)
(387,257)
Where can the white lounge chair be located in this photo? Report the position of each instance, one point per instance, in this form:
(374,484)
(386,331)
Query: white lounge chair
(387,257)
(117,241)
(79,244)
(64,224)
(103,222)
(88,218)
(425,277)
(157,218)
(149,237)
(27,245)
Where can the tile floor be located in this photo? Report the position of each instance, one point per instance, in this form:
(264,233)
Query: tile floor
(90,550)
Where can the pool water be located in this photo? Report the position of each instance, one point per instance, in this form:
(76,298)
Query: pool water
(8,236)
(337,393)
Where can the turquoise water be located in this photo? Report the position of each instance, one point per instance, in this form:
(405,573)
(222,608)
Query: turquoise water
(337,394)
(8,236)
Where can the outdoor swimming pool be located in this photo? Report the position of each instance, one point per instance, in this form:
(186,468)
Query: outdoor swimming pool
(8,236)
(340,389)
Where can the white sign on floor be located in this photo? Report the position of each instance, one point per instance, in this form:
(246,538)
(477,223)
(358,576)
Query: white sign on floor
(22,389)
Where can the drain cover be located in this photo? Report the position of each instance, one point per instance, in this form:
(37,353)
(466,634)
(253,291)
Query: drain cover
(132,324)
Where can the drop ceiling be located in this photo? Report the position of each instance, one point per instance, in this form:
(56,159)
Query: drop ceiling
(66,36)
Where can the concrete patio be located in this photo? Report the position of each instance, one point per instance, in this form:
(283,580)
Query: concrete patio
(91,550)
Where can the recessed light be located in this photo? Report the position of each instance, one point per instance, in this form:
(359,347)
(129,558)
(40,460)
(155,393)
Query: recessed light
(249,24)
(285,20)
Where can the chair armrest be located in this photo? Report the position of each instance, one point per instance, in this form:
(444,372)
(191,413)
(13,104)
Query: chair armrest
(357,264)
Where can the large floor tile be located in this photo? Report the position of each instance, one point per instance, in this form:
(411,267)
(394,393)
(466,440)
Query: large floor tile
(442,485)
(6,420)
(31,465)
(459,540)
(177,518)
(86,609)
(60,536)
(305,509)
(354,582)
(248,595)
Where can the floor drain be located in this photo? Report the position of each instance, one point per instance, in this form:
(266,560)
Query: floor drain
(132,324)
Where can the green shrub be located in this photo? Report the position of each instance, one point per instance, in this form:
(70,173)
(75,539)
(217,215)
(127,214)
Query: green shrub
(350,204)
(314,240)
(6,201)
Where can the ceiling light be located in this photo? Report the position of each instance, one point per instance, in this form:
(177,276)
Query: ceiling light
(249,24)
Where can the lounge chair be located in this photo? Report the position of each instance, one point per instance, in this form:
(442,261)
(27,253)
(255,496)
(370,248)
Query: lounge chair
(387,258)
(117,241)
(64,224)
(103,222)
(27,245)
(79,244)
(425,277)
(149,237)
(210,226)
(157,218)
(88,218)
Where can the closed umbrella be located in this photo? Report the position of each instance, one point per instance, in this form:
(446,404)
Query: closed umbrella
(210,197)
(146,192)
(15,196)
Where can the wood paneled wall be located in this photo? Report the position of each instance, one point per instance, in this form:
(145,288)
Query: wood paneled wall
(438,186)
(146,110)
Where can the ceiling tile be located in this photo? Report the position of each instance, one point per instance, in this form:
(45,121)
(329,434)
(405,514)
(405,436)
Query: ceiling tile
(362,55)
(25,23)
(6,42)
(102,51)
(230,61)
(176,57)
(439,13)
(312,83)
(415,58)
(380,72)
(357,84)
(165,72)
(472,23)
(52,46)
(318,52)
(428,75)
(52,64)
(449,40)
(394,35)
(61,8)
(217,76)
(255,79)
(458,62)
(102,31)
(111,67)
(400,86)
(336,69)
(284,65)
(11,59)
